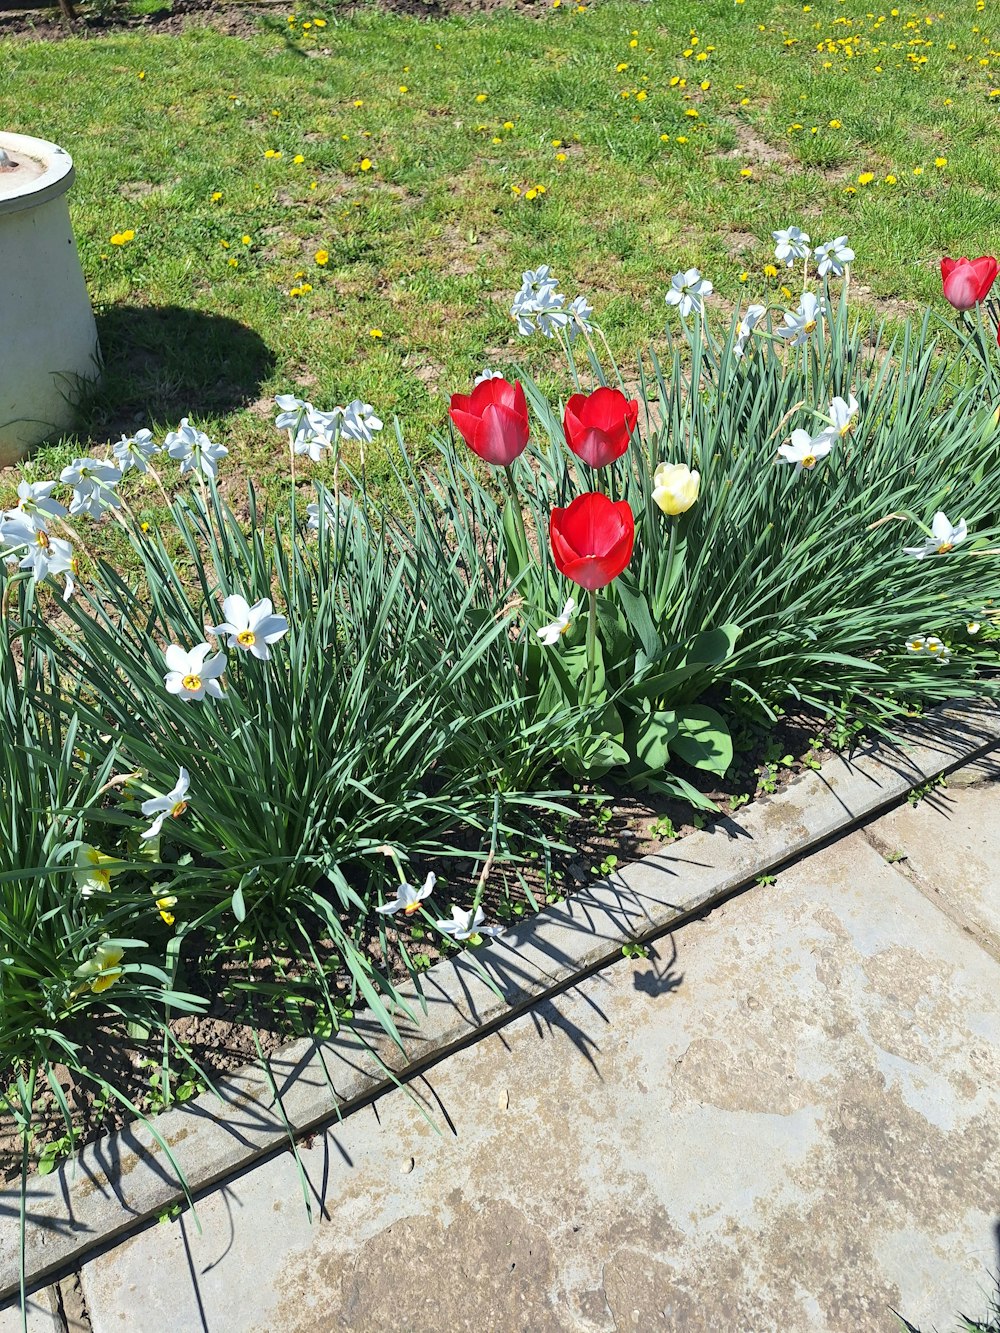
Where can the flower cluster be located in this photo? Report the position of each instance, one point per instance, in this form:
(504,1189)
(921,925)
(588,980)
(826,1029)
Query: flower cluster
(311,431)
(540,305)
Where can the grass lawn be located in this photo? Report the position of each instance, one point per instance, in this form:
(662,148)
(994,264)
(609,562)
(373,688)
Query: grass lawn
(341,206)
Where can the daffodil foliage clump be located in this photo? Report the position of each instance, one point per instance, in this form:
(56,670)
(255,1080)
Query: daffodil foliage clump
(284,734)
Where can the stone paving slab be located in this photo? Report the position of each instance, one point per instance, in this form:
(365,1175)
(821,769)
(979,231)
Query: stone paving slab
(116,1184)
(787,1118)
(43,1316)
(949,841)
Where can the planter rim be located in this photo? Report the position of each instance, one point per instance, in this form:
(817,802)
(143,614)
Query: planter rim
(56,177)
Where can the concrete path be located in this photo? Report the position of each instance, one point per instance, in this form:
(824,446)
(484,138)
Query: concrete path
(788,1119)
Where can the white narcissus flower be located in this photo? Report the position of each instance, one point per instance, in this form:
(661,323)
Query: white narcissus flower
(973,627)
(359,422)
(35,503)
(804,450)
(487,374)
(539,305)
(93,485)
(135,451)
(675,487)
(745,328)
(93,870)
(833,257)
(929,645)
(550,634)
(173,804)
(790,245)
(580,311)
(841,418)
(42,554)
(188,674)
(463,924)
(193,448)
(942,539)
(251,628)
(408,898)
(101,970)
(800,324)
(290,411)
(688,291)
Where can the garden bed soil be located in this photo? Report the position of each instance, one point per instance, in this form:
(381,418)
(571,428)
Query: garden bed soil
(238,1030)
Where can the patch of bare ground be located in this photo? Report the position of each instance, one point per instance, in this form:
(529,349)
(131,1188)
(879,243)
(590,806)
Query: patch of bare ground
(233,20)
(750,147)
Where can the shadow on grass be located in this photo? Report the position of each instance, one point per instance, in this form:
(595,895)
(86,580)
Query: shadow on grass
(165,362)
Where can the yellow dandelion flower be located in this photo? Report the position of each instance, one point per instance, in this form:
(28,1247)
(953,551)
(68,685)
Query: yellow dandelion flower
(940,161)
(531,194)
(365,164)
(122,237)
(891,179)
(322,257)
(770,271)
(918,171)
(560,157)
(375,333)
(298,159)
(836,125)
(682,138)
(746,171)
(744,276)
(866,178)
(216,196)
(481,97)
(233,263)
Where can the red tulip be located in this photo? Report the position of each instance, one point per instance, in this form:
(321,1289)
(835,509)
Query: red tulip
(598,425)
(967,281)
(492,420)
(592,540)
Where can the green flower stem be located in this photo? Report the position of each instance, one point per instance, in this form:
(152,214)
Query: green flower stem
(588,688)
(516,505)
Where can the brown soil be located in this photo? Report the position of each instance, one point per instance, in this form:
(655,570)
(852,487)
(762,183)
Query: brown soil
(238,1031)
(235,20)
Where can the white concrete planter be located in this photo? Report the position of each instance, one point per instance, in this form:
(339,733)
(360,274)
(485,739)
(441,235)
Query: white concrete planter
(48,338)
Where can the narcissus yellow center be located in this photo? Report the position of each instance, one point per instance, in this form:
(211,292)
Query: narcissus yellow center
(191,683)
(811,326)
(43,540)
(247,638)
(809,460)
(945,547)
(178,809)
(410,908)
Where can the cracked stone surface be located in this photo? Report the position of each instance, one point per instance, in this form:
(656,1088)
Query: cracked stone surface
(788,1118)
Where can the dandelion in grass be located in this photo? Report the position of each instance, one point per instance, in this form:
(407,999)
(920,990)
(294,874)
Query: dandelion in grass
(194,450)
(135,451)
(675,487)
(804,450)
(35,503)
(101,970)
(799,325)
(93,870)
(833,257)
(466,925)
(943,537)
(190,676)
(551,634)
(745,329)
(251,628)
(688,291)
(173,805)
(408,898)
(790,245)
(93,485)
